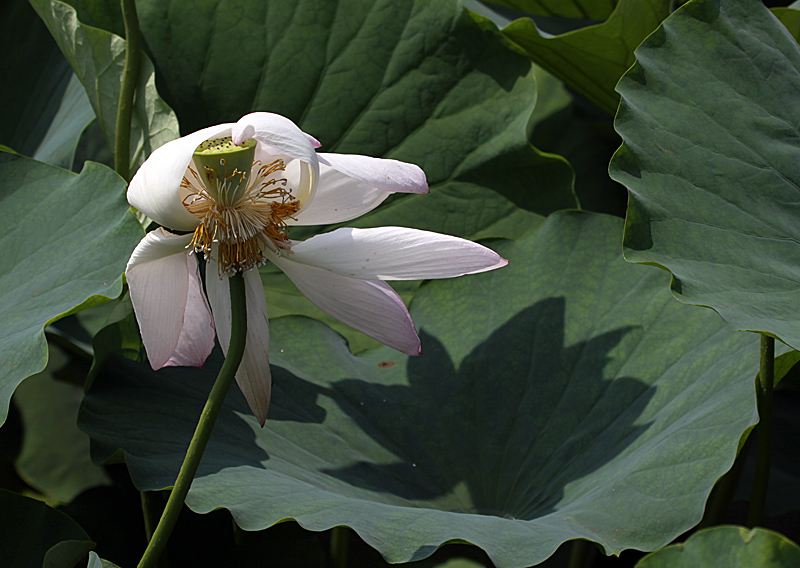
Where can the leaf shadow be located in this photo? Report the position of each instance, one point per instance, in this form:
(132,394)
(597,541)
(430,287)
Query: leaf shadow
(497,436)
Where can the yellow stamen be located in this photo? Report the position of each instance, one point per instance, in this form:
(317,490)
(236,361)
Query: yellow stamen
(241,222)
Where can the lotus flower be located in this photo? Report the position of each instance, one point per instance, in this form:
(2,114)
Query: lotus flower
(235,189)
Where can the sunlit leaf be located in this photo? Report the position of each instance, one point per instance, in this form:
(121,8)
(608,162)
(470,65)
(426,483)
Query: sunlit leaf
(732,547)
(97,58)
(591,60)
(710,125)
(66,239)
(610,400)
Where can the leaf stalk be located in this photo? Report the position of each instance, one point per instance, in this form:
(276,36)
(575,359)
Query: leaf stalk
(204,426)
(764,386)
(130,76)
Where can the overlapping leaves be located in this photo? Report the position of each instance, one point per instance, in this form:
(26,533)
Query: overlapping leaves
(710,125)
(611,400)
(66,239)
(591,60)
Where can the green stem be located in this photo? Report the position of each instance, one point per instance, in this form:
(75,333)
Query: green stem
(340,545)
(766,379)
(130,76)
(580,553)
(152,507)
(204,425)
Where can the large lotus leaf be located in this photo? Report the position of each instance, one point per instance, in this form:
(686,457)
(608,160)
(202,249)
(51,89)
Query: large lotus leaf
(591,60)
(709,123)
(728,546)
(34,535)
(585,9)
(564,396)
(423,82)
(34,75)
(97,58)
(65,241)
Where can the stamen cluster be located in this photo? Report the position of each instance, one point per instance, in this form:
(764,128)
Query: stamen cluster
(241,225)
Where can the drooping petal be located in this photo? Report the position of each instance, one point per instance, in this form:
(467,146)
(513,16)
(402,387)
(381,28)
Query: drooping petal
(277,132)
(372,307)
(351,185)
(395,253)
(174,318)
(155,189)
(253,376)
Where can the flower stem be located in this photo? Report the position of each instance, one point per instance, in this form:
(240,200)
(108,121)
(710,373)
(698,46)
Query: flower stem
(581,551)
(766,378)
(340,546)
(204,425)
(130,76)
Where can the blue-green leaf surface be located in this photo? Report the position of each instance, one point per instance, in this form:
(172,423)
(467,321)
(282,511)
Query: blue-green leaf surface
(66,239)
(564,396)
(710,127)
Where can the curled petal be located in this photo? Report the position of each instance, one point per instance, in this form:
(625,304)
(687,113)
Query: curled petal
(253,376)
(351,185)
(173,315)
(155,189)
(278,133)
(395,253)
(371,307)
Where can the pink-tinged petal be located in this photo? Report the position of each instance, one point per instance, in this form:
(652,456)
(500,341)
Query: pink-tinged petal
(395,253)
(371,307)
(173,316)
(279,133)
(197,335)
(253,376)
(155,189)
(314,142)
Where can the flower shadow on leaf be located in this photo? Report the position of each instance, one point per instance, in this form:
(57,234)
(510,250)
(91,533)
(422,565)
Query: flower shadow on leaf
(503,434)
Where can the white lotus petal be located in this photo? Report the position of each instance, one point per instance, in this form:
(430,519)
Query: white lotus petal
(253,376)
(351,185)
(278,132)
(371,307)
(164,284)
(155,189)
(395,253)
(338,198)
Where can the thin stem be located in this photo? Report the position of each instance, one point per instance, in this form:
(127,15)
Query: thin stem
(766,379)
(152,507)
(204,425)
(130,76)
(580,553)
(340,545)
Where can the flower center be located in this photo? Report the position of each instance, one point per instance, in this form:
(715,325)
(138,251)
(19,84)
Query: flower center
(242,204)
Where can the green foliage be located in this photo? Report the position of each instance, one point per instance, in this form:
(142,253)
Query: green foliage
(66,239)
(97,57)
(591,60)
(54,458)
(34,535)
(732,547)
(425,83)
(611,399)
(586,9)
(709,123)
